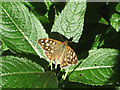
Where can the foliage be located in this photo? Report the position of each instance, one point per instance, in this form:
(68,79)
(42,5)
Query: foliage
(93,29)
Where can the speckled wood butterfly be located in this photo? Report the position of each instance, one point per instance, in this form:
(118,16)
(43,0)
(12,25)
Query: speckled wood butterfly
(55,50)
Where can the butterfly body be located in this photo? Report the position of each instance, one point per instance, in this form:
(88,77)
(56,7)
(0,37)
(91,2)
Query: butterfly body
(55,50)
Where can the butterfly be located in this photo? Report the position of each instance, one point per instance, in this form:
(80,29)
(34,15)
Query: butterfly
(55,50)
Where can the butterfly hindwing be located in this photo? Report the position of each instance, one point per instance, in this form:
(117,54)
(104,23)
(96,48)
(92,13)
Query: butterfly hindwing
(71,56)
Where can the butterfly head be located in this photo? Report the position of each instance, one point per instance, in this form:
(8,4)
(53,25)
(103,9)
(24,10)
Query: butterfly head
(65,43)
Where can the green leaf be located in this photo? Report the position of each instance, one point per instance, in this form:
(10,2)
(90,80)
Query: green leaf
(22,73)
(4,47)
(118,7)
(70,21)
(96,42)
(97,69)
(20,28)
(102,20)
(48,4)
(115,21)
(0,42)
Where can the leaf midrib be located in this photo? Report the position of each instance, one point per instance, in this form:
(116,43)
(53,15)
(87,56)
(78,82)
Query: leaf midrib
(20,31)
(16,73)
(96,67)
(70,21)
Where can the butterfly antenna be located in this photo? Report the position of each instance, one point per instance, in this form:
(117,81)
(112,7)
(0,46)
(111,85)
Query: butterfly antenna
(61,37)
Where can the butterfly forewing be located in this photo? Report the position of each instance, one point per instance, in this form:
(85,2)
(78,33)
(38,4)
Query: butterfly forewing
(51,48)
(48,44)
(71,56)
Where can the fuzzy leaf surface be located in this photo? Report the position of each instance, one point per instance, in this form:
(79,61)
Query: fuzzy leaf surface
(70,21)
(23,73)
(20,28)
(98,68)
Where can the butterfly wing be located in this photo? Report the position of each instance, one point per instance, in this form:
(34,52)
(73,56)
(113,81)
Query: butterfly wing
(48,44)
(70,57)
(51,48)
(54,50)
(63,62)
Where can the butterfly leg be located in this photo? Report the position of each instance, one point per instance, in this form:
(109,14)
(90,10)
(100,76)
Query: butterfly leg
(64,76)
(56,63)
(50,65)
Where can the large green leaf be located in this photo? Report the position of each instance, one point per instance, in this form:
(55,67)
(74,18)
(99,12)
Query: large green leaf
(70,21)
(22,73)
(98,68)
(20,28)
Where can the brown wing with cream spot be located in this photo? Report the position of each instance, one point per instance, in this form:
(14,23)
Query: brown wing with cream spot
(50,46)
(69,58)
